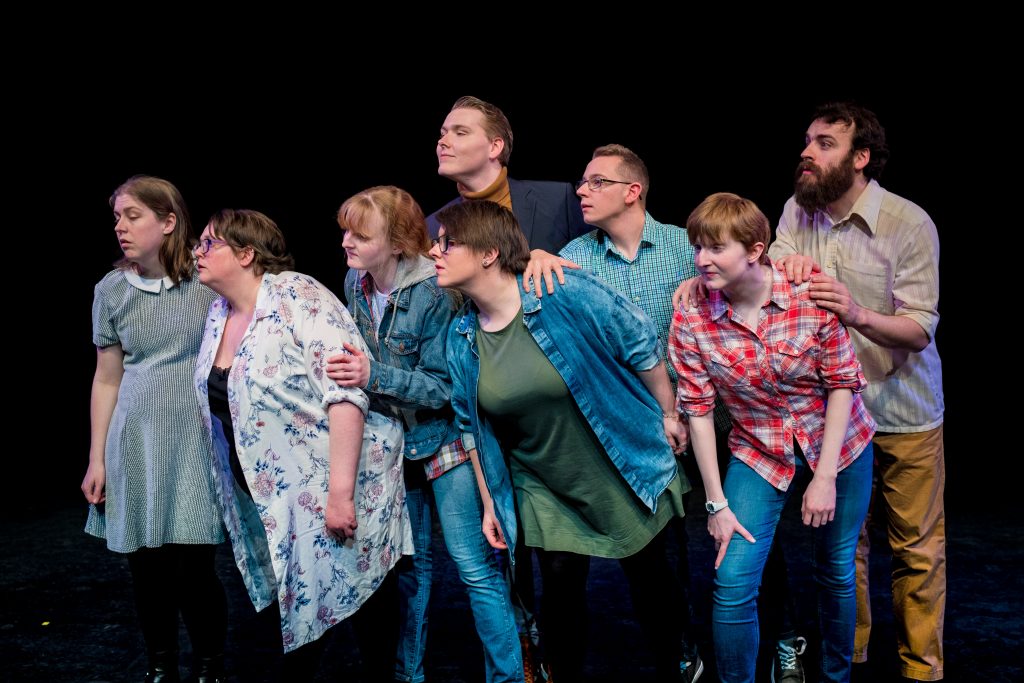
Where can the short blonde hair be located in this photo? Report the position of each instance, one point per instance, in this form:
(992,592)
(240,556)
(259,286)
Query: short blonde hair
(724,215)
(630,165)
(401,218)
(496,124)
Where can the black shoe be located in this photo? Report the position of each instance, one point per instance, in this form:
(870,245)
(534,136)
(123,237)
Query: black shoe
(163,668)
(209,670)
(690,665)
(787,667)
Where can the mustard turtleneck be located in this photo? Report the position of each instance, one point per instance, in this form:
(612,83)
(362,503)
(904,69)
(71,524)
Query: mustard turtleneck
(497,192)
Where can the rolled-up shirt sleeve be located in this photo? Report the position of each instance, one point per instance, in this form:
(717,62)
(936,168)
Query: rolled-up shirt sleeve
(839,367)
(916,279)
(325,326)
(695,394)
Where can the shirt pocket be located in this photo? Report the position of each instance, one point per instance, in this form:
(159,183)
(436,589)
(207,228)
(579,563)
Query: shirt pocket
(798,359)
(727,367)
(869,283)
(405,347)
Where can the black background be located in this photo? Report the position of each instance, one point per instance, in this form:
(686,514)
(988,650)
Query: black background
(296,140)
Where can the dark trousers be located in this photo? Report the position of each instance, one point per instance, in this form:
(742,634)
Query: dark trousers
(658,605)
(179,578)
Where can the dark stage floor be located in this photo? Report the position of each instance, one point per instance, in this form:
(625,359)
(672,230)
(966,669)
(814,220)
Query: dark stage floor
(67,614)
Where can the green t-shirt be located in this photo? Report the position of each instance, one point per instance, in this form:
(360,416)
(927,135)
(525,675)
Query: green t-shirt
(569,494)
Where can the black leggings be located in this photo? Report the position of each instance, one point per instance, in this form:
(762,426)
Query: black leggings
(658,604)
(175,578)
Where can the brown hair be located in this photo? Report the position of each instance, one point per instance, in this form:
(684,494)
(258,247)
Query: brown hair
(868,133)
(244,228)
(496,124)
(630,165)
(725,214)
(401,217)
(163,199)
(484,225)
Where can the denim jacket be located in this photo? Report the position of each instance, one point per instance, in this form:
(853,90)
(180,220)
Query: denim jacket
(597,341)
(408,373)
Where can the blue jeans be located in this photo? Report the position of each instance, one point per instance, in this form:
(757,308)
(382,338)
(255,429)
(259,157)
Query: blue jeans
(758,506)
(414,577)
(461,514)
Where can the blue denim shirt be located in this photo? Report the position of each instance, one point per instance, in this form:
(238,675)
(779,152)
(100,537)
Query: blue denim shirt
(597,341)
(408,371)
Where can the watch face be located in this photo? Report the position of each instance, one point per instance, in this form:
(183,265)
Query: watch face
(709,506)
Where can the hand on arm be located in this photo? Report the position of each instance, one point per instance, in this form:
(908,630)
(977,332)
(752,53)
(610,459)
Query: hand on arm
(350,369)
(346,441)
(105,385)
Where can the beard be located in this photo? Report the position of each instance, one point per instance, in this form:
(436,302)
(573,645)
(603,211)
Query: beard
(815,192)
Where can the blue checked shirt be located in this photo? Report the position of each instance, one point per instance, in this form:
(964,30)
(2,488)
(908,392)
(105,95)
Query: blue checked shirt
(664,259)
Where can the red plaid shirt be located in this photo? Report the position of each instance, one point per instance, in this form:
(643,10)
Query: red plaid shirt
(774,380)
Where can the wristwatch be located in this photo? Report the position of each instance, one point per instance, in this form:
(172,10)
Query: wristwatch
(713,506)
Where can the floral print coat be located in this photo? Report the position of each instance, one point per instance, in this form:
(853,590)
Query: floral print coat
(278,395)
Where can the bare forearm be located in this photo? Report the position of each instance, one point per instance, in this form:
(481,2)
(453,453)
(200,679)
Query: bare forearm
(891,331)
(481,483)
(837,419)
(105,386)
(104,399)
(705,450)
(657,382)
(345,439)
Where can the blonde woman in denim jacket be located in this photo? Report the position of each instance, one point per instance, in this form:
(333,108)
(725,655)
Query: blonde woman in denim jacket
(403,315)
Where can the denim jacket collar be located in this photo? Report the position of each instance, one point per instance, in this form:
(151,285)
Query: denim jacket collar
(466,325)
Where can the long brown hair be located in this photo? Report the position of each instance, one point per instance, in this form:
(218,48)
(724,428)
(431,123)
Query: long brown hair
(163,199)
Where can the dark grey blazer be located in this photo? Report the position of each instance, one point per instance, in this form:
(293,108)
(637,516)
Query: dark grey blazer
(548,213)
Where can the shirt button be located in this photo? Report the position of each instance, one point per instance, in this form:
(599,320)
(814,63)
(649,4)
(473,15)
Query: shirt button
(412,451)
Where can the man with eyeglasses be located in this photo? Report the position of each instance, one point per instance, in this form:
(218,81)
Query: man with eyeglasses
(474,149)
(643,260)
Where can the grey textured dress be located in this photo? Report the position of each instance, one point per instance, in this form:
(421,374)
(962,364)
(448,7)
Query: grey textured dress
(158,480)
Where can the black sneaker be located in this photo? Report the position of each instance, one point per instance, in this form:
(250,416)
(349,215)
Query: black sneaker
(787,667)
(690,666)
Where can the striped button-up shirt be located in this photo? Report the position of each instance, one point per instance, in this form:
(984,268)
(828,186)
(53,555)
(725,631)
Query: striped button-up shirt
(886,251)
(773,379)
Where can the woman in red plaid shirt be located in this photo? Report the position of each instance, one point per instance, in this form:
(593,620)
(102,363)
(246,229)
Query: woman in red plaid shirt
(787,372)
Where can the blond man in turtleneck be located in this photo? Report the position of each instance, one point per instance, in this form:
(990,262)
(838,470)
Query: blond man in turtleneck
(473,150)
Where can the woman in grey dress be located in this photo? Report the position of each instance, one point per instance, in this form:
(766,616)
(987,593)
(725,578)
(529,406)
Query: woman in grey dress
(149,477)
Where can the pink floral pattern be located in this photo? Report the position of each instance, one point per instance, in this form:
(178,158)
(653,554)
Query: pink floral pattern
(278,393)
